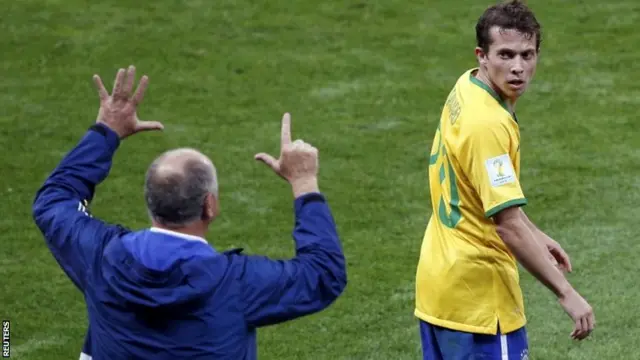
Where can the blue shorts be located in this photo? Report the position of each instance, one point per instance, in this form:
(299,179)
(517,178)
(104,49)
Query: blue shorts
(443,344)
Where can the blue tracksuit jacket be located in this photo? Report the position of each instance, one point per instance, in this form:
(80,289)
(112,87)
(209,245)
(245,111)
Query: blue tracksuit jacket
(154,294)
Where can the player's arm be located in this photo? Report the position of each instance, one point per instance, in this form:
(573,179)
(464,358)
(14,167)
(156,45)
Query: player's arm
(485,155)
(486,149)
(59,207)
(544,238)
(558,255)
(525,246)
(281,290)
(517,235)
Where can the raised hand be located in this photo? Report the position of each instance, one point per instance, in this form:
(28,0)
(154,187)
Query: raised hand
(118,110)
(297,163)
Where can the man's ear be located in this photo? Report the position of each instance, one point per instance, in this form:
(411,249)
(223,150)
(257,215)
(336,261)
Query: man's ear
(210,208)
(481,56)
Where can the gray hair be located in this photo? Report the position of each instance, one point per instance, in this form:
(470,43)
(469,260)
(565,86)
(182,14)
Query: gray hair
(175,193)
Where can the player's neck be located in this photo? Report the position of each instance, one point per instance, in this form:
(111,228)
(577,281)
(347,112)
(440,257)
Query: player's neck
(510,103)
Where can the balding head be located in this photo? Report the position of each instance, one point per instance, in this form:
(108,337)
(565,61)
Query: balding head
(176,187)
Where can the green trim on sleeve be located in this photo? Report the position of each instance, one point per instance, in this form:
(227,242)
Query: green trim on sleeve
(510,203)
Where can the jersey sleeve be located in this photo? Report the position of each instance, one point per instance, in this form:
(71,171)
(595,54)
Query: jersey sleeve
(485,155)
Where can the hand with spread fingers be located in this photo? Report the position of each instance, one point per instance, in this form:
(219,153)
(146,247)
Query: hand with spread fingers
(118,111)
(298,161)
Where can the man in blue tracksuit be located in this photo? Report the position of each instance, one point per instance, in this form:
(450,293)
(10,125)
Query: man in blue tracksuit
(164,292)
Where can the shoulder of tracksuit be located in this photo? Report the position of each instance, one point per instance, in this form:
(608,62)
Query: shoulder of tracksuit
(272,290)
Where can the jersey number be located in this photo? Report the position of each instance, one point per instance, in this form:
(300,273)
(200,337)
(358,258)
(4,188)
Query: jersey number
(451,218)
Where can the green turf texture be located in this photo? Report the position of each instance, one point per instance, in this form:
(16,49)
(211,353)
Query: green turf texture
(365,83)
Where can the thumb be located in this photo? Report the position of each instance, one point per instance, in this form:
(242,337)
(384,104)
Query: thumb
(267,159)
(149,125)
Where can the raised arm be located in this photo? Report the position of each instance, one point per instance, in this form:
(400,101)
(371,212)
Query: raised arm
(60,208)
(280,290)
(60,205)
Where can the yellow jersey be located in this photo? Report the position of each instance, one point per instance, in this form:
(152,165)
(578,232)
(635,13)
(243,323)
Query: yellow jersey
(466,278)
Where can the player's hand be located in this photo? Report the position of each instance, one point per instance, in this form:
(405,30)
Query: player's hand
(580,312)
(558,255)
(118,110)
(298,161)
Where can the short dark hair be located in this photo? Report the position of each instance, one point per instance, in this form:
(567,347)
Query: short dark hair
(177,198)
(512,14)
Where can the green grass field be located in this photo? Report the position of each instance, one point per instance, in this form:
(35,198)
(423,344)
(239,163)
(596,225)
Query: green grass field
(365,82)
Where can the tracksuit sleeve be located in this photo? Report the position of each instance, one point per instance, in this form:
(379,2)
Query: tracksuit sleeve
(60,207)
(279,290)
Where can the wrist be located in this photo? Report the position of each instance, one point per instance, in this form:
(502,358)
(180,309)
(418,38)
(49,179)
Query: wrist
(304,186)
(111,136)
(112,128)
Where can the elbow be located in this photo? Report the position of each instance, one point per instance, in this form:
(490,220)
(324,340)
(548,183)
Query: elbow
(336,281)
(43,210)
(342,286)
(342,283)
(333,291)
(37,209)
(330,272)
(508,231)
(39,202)
(335,264)
(504,231)
(41,218)
(342,277)
(508,225)
(339,279)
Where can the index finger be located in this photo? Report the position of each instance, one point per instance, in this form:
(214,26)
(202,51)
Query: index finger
(567,265)
(285,136)
(565,260)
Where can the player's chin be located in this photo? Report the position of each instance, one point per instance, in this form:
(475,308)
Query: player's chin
(514,91)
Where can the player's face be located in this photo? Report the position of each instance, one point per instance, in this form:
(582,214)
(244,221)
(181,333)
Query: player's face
(511,61)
